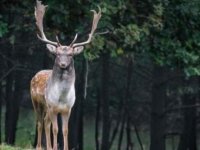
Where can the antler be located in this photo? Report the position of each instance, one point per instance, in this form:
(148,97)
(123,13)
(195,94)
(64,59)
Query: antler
(96,19)
(39,15)
(74,40)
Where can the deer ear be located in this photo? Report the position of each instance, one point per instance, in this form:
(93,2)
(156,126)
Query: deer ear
(78,50)
(51,48)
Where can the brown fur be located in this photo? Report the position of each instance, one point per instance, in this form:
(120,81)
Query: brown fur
(38,85)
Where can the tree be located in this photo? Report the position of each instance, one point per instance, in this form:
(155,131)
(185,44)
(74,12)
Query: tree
(188,136)
(158,108)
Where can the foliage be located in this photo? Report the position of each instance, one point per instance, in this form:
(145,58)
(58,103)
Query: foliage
(177,43)
(152,27)
(3,27)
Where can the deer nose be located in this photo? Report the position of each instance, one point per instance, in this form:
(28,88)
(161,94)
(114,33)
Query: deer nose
(63,65)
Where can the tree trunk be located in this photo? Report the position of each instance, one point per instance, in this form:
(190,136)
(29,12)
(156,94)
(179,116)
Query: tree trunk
(2,66)
(15,105)
(128,133)
(83,94)
(97,120)
(8,115)
(121,133)
(138,137)
(1,99)
(73,127)
(157,110)
(76,119)
(127,99)
(105,101)
(126,119)
(188,136)
(8,99)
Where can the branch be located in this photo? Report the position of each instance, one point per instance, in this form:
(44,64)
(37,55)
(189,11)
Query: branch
(182,107)
(138,137)
(5,57)
(85,79)
(8,72)
(101,33)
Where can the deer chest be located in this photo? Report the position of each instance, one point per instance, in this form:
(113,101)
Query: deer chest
(60,94)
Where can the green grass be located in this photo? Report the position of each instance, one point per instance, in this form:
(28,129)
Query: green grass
(7,147)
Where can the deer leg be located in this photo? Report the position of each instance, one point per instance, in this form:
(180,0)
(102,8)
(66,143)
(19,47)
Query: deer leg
(39,131)
(55,129)
(65,120)
(40,116)
(47,131)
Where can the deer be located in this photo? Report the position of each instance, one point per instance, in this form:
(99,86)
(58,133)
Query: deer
(53,91)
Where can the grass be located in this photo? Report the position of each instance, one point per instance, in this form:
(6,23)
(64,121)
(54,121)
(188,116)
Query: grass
(8,147)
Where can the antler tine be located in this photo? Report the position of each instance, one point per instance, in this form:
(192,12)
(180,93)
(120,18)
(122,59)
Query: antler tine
(39,15)
(74,40)
(96,19)
(58,42)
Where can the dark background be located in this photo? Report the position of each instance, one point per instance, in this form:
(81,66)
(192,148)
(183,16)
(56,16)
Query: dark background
(143,75)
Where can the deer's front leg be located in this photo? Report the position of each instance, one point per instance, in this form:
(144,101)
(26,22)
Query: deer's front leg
(53,117)
(65,120)
(47,131)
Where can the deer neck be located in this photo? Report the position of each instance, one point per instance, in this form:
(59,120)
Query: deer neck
(60,87)
(66,74)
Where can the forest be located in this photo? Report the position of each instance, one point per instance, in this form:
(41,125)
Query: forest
(137,82)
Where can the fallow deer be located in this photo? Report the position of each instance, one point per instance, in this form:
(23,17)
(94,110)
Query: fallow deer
(53,91)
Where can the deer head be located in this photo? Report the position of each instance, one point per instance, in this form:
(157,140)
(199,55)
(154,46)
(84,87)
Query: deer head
(64,54)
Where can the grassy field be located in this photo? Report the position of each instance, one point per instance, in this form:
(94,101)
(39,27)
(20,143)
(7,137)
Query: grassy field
(7,147)
(26,133)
